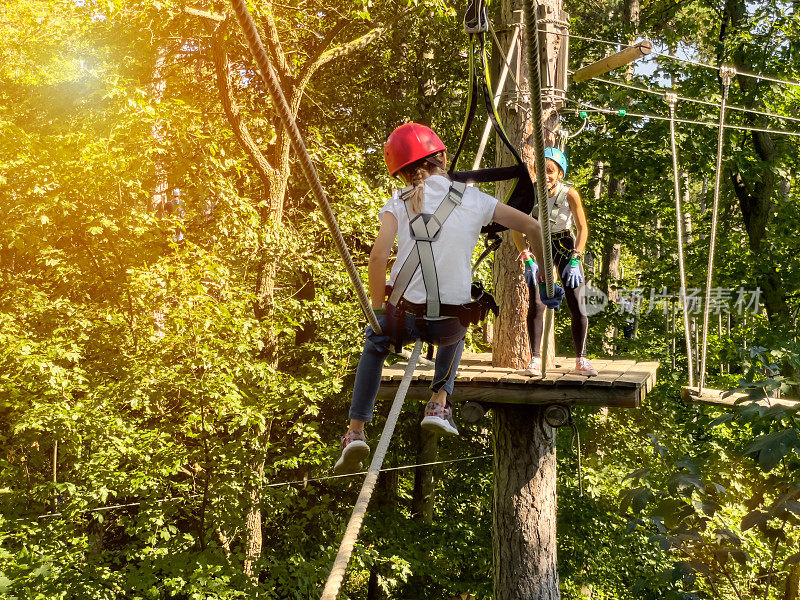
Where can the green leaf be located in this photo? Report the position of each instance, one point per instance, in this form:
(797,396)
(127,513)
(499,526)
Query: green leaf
(772,447)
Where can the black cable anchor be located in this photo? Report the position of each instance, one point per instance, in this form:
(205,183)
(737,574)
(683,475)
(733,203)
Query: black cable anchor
(560,415)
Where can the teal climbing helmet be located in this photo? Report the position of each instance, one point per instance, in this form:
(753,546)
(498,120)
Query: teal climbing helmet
(557,156)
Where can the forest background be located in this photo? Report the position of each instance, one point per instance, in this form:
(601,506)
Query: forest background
(165,370)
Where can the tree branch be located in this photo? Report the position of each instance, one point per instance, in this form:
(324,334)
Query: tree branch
(273,43)
(224,86)
(325,55)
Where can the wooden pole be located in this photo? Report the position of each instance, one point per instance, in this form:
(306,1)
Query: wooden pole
(609,63)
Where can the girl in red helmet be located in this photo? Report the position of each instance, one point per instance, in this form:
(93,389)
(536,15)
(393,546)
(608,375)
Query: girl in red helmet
(566,211)
(417,155)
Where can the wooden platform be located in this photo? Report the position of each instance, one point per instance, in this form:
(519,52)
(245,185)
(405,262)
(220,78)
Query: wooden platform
(622,383)
(732,399)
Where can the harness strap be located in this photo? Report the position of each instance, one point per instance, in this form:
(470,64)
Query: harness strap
(425,229)
(475,19)
(558,204)
(468,313)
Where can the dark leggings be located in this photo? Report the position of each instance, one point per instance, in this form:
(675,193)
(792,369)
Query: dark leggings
(562,252)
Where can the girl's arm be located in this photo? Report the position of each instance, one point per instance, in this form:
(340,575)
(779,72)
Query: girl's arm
(520,223)
(379,259)
(576,207)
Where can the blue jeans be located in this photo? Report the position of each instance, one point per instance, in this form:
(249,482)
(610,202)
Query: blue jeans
(447,334)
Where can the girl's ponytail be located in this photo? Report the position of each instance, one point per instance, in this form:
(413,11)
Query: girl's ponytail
(416,174)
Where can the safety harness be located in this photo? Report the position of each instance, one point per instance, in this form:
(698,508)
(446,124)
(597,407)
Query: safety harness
(521,193)
(559,205)
(425,229)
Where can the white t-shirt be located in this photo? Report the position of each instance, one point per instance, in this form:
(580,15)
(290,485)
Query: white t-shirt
(452,252)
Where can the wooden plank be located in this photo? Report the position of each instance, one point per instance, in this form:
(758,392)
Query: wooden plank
(613,61)
(533,394)
(722,398)
(607,377)
(619,383)
(487,377)
(516,378)
(652,368)
(633,378)
(571,379)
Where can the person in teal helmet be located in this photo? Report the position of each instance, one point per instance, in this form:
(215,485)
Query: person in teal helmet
(569,233)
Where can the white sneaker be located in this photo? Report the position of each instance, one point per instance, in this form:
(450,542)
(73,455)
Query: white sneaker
(534,368)
(439,419)
(354,451)
(584,367)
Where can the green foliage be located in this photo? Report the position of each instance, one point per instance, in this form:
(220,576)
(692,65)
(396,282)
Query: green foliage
(140,412)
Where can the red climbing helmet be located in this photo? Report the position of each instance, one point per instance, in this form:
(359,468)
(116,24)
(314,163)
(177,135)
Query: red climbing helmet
(409,143)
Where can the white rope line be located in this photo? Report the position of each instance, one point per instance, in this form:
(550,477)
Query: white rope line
(506,60)
(695,100)
(688,121)
(726,75)
(269,485)
(672,100)
(334,581)
(685,60)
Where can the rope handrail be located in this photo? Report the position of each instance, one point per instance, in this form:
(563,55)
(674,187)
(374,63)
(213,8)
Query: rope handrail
(336,576)
(672,100)
(725,73)
(109,507)
(696,63)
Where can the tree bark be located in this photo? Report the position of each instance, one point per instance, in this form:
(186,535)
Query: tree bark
(524,516)
(422,500)
(792,590)
(524,519)
(755,197)
(510,342)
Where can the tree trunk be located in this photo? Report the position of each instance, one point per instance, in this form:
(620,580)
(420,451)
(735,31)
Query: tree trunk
(524,519)
(156,90)
(792,591)
(524,515)
(422,499)
(510,340)
(610,263)
(755,197)
(252,522)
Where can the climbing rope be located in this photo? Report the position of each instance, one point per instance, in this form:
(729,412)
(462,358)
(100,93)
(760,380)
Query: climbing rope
(725,73)
(299,147)
(334,582)
(535,99)
(672,101)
